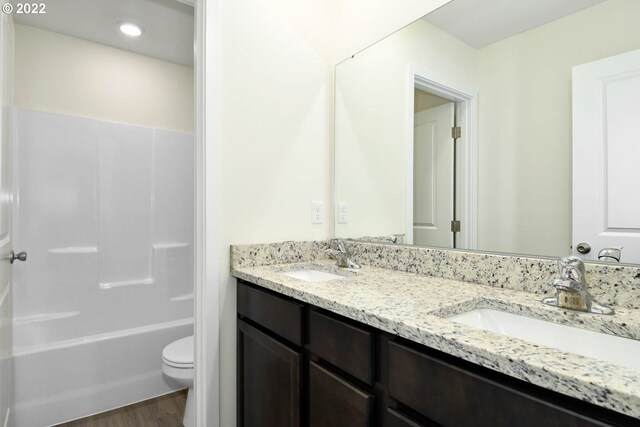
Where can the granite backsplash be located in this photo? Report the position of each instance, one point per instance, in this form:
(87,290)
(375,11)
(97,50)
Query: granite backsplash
(616,285)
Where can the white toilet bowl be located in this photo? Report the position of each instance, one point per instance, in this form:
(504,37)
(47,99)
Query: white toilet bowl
(177,363)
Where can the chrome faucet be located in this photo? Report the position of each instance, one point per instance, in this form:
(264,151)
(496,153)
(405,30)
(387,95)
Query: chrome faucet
(340,254)
(610,254)
(571,288)
(393,238)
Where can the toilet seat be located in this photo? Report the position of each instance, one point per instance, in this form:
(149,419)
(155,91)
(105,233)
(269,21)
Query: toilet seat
(179,354)
(177,365)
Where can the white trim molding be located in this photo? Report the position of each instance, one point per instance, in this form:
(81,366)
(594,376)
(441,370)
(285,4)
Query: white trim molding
(207,238)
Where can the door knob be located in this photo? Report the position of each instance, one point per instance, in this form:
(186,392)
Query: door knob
(20,256)
(583,248)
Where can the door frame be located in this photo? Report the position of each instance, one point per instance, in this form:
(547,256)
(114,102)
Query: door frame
(467,165)
(7,43)
(207,311)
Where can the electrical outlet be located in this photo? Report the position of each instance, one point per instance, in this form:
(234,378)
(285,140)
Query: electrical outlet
(343,212)
(316,212)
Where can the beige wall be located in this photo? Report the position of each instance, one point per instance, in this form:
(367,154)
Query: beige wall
(524,164)
(274,148)
(424,100)
(358,24)
(66,75)
(275,151)
(338,29)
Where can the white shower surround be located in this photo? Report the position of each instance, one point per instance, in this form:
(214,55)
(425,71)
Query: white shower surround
(105,211)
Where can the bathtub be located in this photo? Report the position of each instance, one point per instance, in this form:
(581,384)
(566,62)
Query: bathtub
(71,379)
(106,211)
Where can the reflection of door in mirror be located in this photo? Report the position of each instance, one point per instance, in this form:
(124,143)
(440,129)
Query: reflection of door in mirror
(606,106)
(433,179)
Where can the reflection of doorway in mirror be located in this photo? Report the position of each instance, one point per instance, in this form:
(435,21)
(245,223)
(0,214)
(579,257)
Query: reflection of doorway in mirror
(433,178)
(441,157)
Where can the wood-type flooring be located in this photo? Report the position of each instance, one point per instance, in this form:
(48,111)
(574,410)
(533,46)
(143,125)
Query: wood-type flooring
(163,411)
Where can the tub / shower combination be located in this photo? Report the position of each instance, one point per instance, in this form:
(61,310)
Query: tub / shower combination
(105,211)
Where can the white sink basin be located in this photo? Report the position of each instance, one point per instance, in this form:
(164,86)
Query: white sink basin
(309,275)
(609,348)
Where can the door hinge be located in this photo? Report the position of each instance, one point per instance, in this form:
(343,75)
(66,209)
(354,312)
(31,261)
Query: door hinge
(456,132)
(455,226)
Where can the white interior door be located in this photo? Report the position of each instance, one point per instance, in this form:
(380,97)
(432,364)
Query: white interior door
(433,176)
(6,89)
(606,153)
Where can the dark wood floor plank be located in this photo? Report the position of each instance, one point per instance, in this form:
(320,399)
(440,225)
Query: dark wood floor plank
(163,411)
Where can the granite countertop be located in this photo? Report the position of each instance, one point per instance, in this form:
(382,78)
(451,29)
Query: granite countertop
(416,307)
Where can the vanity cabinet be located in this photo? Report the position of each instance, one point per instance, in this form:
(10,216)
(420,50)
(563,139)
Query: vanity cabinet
(299,365)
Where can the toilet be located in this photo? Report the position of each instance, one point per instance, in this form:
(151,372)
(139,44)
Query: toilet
(177,363)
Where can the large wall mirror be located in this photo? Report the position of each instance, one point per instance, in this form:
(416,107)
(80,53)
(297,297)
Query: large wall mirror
(498,125)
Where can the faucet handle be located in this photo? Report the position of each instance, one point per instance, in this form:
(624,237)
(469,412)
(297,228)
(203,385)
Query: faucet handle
(572,268)
(562,284)
(339,245)
(610,254)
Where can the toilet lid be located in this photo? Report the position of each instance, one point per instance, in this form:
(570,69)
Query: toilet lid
(179,353)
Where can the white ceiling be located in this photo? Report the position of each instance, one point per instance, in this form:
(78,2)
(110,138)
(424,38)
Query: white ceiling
(168,25)
(480,23)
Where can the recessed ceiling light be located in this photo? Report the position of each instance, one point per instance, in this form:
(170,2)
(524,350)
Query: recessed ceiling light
(130,29)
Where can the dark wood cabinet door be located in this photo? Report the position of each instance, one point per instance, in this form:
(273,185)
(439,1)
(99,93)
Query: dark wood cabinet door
(334,402)
(269,384)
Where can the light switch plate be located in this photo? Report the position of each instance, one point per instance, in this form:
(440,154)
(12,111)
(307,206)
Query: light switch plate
(343,212)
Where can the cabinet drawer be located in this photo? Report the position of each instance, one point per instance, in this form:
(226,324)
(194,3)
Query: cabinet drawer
(282,316)
(345,346)
(396,419)
(334,402)
(451,396)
